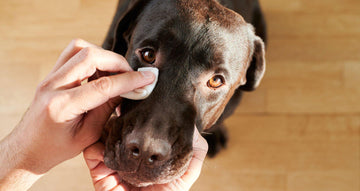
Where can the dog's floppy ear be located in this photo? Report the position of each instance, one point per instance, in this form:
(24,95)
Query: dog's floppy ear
(256,70)
(123,24)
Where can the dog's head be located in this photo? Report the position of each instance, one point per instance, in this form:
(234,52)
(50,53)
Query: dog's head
(204,52)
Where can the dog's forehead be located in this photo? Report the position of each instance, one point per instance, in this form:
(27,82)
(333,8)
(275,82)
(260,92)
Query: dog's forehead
(203,11)
(236,48)
(210,35)
(228,32)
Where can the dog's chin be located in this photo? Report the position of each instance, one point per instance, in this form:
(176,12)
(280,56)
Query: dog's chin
(137,180)
(134,180)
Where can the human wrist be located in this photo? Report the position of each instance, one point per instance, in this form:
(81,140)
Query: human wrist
(15,173)
(18,179)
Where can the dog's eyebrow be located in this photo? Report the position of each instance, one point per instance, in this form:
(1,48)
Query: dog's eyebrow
(222,70)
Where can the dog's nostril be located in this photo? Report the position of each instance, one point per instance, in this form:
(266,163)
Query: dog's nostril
(153,158)
(147,149)
(135,151)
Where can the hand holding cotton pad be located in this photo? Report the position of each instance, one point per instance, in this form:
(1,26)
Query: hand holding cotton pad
(144,92)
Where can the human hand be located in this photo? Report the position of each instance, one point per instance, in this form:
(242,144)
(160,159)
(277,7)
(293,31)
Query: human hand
(106,179)
(65,117)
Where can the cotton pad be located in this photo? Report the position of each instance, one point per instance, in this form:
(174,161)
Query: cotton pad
(144,92)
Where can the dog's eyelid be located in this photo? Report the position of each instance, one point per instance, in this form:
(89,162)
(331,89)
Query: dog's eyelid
(220,74)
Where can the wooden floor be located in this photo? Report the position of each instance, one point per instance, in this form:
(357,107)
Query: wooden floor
(300,131)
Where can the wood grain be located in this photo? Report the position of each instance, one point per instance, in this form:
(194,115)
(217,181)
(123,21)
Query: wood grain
(299,131)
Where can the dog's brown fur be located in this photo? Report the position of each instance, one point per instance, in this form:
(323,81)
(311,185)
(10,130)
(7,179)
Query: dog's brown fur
(193,40)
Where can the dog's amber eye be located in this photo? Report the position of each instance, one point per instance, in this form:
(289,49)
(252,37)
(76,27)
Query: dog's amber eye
(148,55)
(216,82)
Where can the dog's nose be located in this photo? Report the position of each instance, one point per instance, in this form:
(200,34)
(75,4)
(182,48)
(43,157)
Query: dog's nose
(148,149)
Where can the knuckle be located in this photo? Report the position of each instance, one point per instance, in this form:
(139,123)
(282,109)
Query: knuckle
(43,87)
(88,54)
(103,85)
(121,59)
(77,43)
(76,40)
(55,105)
(136,76)
(52,106)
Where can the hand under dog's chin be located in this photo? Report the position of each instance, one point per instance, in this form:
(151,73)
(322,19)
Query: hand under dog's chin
(139,180)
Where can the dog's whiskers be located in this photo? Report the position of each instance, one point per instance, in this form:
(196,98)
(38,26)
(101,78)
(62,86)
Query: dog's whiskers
(205,162)
(199,149)
(206,133)
(202,160)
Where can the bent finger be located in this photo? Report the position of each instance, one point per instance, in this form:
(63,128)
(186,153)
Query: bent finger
(94,152)
(95,93)
(101,172)
(73,48)
(95,121)
(85,63)
(109,183)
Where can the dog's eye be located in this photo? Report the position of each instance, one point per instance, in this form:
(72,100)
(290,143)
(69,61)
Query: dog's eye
(216,81)
(148,55)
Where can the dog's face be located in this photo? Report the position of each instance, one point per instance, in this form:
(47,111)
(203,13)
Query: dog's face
(204,52)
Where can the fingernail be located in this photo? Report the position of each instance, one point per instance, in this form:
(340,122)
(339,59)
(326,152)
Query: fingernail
(147,74)
(140,91)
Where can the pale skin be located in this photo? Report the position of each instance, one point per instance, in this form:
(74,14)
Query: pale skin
(66,118)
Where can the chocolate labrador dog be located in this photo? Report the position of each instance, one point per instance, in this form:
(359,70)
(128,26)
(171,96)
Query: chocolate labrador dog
(207,55)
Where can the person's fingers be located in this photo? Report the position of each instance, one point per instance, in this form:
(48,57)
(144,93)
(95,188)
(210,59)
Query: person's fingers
(95,93)
(100,172)
(200,148)
(85,63)
(95,121)
(73,48)
(93,153)
(111,182)
(94,158)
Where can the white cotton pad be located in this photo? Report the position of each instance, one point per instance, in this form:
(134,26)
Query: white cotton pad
(144,92)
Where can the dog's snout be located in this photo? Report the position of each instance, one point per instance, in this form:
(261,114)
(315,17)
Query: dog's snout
(148,149)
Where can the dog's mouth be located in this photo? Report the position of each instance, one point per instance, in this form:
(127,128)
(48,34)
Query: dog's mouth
(141,158)
(140,179)
(142,176)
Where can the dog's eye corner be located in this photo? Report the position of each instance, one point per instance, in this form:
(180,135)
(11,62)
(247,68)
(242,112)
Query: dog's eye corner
(216,81)
(148,55)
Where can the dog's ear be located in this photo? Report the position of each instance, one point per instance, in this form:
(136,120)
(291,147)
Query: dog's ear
(256,69)
(123,24)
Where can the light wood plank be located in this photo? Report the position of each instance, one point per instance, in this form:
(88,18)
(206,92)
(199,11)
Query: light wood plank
(300,130)
(313,100)
(324,181)
(310,6)
(321,25)
(302,75)
(240,181)
(352,74)
(269,128)
(312,50)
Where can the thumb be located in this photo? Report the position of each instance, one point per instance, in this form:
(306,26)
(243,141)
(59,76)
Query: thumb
(200,148)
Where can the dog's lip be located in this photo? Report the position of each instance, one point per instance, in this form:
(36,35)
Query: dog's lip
(127,178)
(136,177)
(132,177)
